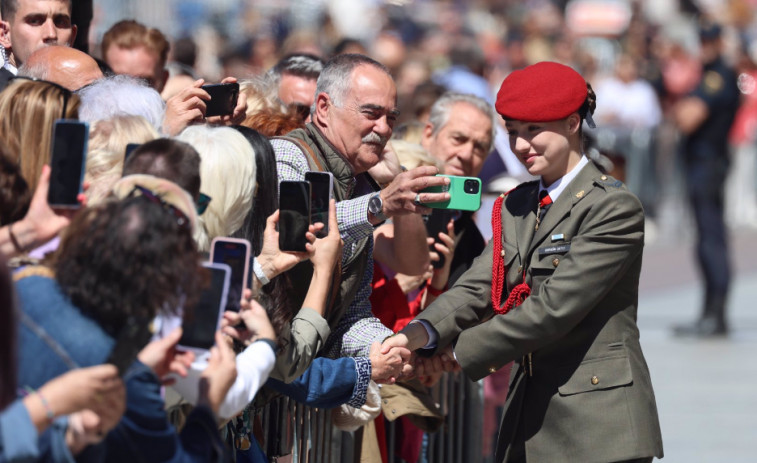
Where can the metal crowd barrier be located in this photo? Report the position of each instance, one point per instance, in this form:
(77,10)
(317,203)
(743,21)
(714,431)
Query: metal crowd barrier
(293,432)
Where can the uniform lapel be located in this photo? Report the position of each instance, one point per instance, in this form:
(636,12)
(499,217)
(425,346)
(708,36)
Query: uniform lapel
(573,193)
(525,215)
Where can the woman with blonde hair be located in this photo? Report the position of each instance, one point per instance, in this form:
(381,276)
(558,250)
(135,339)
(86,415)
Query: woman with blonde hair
(227,173)
(108,140)
(30,108)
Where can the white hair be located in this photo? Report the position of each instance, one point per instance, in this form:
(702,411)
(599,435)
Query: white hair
(121,95)
(227,175)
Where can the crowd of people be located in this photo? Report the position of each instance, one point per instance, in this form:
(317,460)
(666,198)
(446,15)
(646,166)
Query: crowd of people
(374,308)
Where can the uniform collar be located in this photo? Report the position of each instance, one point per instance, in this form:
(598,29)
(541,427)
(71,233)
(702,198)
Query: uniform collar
(558,186)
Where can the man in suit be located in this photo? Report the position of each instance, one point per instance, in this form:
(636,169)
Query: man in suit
(460,134)
(29,25)
(555,291)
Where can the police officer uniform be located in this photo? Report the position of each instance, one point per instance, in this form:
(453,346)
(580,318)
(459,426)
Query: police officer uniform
(706,161)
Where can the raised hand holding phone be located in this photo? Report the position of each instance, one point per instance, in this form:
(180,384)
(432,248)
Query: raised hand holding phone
(464,194)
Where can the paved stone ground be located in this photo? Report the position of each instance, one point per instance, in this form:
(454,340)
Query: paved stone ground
(706,390)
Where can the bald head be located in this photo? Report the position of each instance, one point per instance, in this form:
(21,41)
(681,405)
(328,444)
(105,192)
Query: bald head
(65,66)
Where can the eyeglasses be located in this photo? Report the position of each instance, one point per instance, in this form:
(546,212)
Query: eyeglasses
(66,92)
(181,218)
(202,203)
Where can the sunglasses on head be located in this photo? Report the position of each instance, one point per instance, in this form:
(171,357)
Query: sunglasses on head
(66,92)
(148,194)
(202,203)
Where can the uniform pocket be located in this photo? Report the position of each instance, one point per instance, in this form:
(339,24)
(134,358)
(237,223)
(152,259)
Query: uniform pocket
(598,374)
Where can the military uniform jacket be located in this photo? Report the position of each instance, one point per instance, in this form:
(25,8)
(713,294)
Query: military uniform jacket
(584,393)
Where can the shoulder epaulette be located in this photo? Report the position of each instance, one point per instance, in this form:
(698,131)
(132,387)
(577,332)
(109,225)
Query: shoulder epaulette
(607,181)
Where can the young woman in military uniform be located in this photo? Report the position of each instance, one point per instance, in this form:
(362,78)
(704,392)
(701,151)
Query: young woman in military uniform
(556,292)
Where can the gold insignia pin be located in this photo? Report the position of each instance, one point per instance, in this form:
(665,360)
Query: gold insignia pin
(580,194)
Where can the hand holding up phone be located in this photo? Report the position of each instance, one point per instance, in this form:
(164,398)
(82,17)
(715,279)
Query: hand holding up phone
(218,376)
(256,325)
(163,358)
(272,259)
(329,248)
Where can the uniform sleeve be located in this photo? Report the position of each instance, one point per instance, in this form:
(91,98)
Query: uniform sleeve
(606,245)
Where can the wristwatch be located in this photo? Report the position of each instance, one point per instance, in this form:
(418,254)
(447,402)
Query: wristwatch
(376,207)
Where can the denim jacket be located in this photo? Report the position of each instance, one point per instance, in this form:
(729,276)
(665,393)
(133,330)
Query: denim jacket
(55,336)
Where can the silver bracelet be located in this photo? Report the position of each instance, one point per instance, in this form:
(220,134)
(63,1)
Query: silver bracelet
(259,272)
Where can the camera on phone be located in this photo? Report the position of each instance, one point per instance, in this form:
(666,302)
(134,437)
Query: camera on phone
(471,187)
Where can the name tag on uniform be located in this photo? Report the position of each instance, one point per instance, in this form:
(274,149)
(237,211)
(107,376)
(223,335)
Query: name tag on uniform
(556,249)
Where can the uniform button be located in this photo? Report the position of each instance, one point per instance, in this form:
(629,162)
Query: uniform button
(502,253)
(594,380)
(394,411)
(386,402)
(604,177)
(555,261)
(492,370)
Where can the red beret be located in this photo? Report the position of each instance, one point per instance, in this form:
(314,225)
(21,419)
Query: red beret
(541,92)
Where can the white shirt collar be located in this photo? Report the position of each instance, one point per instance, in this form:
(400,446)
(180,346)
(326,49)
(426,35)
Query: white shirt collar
(560,184)
(11,68)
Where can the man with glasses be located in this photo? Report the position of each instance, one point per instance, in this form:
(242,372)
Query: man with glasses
(294,78)
(29,25)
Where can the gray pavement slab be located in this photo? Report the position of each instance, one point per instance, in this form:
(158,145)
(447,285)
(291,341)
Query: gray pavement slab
(706,390)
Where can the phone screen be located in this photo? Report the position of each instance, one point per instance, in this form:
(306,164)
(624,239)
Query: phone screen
(321,184)
(201,321)
(130,147)
(223,99)
(68,153)
(294,215)
(235,254)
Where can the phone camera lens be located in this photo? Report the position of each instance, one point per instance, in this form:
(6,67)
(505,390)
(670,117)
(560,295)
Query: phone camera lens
(470,187)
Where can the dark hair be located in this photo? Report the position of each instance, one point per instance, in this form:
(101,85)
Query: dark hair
(170,159)
(265,203)
(127,258)
(7,337)
(590,104)
(185,51)
(299,64)
(8,8)
(15,195)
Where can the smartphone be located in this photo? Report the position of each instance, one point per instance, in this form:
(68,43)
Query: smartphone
(235,253)
(223,99)
(130,147)
(68,153)
(131,339)
(203,320)
(321,192)
(294,214)
(437,222)
(465,193)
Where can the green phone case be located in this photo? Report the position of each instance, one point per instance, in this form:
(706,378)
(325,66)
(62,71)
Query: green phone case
(460,199)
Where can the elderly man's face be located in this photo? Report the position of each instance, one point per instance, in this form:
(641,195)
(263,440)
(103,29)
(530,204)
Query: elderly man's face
(138,62)
(37,23)
(363,123)
(463,143)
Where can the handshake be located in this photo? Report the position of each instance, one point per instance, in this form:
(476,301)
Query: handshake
(395,359)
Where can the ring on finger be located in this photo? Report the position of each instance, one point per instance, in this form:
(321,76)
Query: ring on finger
(417,200)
